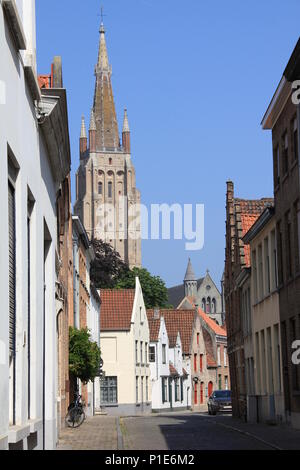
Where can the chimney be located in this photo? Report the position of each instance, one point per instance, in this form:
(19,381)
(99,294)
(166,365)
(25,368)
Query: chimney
(156,314)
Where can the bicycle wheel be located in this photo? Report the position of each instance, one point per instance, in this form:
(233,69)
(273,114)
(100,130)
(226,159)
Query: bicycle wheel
(79,418)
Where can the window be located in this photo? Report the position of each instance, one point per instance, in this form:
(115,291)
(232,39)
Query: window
(136,352)
(204,305)
(152,354)
(214,306)
(181,388)
(226,382)
(146,353)
(147,389)
(141,352)
(219,355)
(142,389)
(276,166)
(288,244)
(195,362)
(225,356)
(110,189)
(274,260)
(12,294)
(208,306)
(295,139)
(100,188)
(220,382)
(164,357)
(285,153)
(260,273)
(177,389)
(267,265)
(109,391)
(195,393)
(280,252)
(255,275)
(110,161)
(136,389)
(198,339)
(164,389)
(202,393)
(201,362)
(296,235)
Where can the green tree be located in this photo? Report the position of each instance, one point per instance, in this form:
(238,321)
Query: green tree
(108,266)
(84,355)
(154,289)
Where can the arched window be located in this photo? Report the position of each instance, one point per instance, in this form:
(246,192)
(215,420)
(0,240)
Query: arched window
(110,189)
(204,304)
(208,306)
(110,161)
(210,388)
(213,306)
(100,188)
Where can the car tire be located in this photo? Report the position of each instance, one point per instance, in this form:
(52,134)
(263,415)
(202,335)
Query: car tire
(209,411)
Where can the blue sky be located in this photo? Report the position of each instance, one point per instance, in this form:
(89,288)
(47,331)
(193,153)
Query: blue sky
(196,77)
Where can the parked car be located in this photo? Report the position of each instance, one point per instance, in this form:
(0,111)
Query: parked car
(220,400)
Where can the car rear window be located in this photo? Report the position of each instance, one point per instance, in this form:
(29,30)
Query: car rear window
(223,394)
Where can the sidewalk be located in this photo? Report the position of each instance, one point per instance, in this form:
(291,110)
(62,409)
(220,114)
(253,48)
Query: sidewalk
(281,437)
(96,433)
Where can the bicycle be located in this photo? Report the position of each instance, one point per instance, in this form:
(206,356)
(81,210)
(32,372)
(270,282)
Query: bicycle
(76,414)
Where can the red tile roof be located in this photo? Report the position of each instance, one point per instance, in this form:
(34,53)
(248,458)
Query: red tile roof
(212,324)
(116,309)
(181,321)
(173,371)
(44,81)
(250,210)
(154,327)
(209,321)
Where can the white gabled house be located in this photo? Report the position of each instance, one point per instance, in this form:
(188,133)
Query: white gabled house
(124,337)
(169,379)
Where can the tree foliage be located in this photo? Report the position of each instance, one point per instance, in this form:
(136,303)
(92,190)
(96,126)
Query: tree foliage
(154,289)
(84,355)
(108,267)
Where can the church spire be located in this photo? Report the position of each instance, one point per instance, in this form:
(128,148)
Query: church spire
(190,281)
(107,133)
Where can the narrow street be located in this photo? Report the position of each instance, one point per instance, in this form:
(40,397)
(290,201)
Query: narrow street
(177,431)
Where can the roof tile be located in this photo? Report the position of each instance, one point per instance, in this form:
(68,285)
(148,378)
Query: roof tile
(116,309)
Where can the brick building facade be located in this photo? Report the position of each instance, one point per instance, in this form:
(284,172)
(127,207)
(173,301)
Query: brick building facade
(283,118)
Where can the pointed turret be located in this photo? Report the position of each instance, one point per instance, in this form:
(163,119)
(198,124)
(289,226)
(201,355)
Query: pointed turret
(83,139)
(107,133)
(190,281)
(126,133)
(92,133)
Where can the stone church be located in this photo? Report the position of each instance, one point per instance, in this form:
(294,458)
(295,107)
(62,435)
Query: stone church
(203,292)
(107,200)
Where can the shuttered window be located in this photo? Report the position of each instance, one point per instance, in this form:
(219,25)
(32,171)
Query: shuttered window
(12,268)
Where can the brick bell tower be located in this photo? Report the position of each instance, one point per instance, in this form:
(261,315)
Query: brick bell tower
(107,200)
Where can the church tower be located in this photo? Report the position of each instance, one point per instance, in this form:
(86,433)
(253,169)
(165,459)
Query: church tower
(190,281)
(107,200)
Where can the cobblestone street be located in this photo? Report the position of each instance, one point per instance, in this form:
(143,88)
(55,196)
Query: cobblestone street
(177,431)
(96,433)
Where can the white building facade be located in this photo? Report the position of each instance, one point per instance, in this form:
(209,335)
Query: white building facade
(32,166)
(124,333)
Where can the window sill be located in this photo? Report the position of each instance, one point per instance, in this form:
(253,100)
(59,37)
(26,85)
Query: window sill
(109,405)
(18,433)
